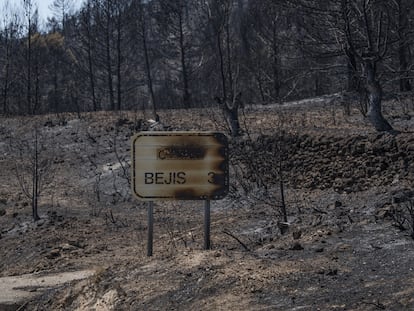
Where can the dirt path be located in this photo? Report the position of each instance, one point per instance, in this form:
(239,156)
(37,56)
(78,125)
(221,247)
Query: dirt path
(14,290)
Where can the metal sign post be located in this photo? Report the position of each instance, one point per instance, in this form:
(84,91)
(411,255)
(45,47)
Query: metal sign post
(207,224)
(150,228)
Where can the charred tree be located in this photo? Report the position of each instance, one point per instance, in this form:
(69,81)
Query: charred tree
(374,92)
(87,50)
(219,19)
(142,28)
(403,45)
(366,30)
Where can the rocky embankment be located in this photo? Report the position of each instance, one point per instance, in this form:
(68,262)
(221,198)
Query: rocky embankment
(346,164)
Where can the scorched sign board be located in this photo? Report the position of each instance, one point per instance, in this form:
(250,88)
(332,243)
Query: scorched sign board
(179,166)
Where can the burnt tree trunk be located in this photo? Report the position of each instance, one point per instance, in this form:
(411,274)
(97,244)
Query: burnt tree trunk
(89,50)
(108,60)
(352,81)
(91,75)
(119,62)
(184,71)
(403,48)
(374,94)
(5,93)
(147,60)
(35,180)
(232,114)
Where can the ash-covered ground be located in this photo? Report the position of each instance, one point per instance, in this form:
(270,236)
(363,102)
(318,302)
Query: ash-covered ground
(347,243)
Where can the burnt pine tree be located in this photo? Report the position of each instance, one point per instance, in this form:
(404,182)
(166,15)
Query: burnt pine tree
(101,46)
(174,23)
(33,168)
(28,12)
(403,25)
(141,34)
(220,18)
(8,49)
(86,50)
(371,35)
(263,43)
(367,34)
(62,9)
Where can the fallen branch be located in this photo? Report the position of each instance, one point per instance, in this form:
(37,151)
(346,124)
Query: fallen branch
(237,239)
(377,304)
(22,307)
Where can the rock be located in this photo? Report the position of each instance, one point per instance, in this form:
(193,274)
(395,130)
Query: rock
(2,212)
(123,121)
(296,247)
(343,247)
(40,222)
(332,272)
(384,212)
(297,234)
(358,149)
(401,197)
(54,253)
(66,247)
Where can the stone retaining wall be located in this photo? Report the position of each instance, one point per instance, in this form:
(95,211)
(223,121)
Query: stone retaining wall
(347,164)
